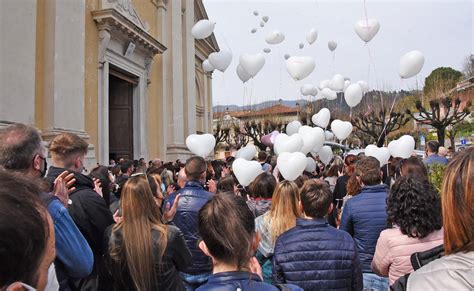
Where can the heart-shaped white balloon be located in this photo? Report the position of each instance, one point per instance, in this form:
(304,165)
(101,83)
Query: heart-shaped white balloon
(267,50)
(325,155)
(254,30)
(312,137)
(274,37)
(402,147)
(246,171)
(324,84)
(367,29)
(341,129)
(337,83)
(265,18)
(242,74)
(322,118)
(329,94)
(291,165)
(312,35)
(329,135)
(284,143)
(202,29)
(286,56)
(364,86)
(220,60)
(382,154)
(332,45)
(252,64)
(308,90)
(201,144)
(293,127)
(206,66)
(411,64)
(300,67)
(353,95)
(248,152)
(310,165)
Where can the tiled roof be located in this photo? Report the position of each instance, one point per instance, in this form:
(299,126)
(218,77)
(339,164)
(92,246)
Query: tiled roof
(273,110)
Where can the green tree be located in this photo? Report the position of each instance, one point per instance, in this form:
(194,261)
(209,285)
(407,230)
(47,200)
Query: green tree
(440,81)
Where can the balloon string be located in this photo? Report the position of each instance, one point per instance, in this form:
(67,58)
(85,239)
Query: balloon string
(244,89)
(371,61)
(365,10)
(333,62)
(391,110)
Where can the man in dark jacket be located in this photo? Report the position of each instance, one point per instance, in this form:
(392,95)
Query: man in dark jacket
(313,254)
(87,208)
(364,217)
(192,199)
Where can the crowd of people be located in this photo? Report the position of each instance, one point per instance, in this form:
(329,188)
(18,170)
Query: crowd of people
(133,225)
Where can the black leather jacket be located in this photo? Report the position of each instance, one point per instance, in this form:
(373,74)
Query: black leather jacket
(175,259)
(192,199)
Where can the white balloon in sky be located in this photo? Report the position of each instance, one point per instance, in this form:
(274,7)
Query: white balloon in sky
(287,56)
(255,13)
(220,60)
(332,45)
(206,66)
(312,36)
(267,50)
(274,37)
(262,24)
(366,29)
(265,18)
(254,30)
(242,74)
(203,28)
(353,95)
(301,46)
(252,64)
(411,64)
(300,67)
(364,86)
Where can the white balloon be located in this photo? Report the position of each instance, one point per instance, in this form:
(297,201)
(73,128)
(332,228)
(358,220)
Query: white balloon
(246,171)
(324,84)
(252,64)
(337,83)
(308,90)
(267,50)
(284,143)
(310,165)
(274,37)
(255,13)
(206,66)
(312,137)
(291,165)
(341,129)
(332,45)
(286,56)
(411,64)
(201,144)
(329,135)
(265,18)
(248,152)
(242,74)
(262,24)
(381,154)
(301,45)
(254,30)
(325,155)
(312,35)
(353,95)
(322,118)
(346,84)
(293,127)
(220,60)
(300,67)
(329,94)
(202,29)
(367,29)
(402,147)
(364,86)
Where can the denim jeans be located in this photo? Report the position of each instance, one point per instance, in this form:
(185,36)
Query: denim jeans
(192,282)
(373,282)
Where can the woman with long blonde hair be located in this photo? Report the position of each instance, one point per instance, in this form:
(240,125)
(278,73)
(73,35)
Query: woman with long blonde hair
(142,253)
(280,218)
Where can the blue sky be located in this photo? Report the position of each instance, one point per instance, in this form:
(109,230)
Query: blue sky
(442,30)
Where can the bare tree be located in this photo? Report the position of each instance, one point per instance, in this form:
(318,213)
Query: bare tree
(468,66)
(255,130)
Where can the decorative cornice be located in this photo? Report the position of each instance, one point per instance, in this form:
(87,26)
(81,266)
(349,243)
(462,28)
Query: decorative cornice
(111,19)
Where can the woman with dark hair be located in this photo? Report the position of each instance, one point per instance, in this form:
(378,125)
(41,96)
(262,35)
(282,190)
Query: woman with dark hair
(261,191)
(413,166)
(340,188)
(331,176)
(231,245)
(454,271)
(103,174)
(414,210)
(141,253)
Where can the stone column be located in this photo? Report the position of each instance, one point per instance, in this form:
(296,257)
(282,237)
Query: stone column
(17,61)
(189,76)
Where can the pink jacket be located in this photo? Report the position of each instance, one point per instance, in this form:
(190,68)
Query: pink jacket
(393,251)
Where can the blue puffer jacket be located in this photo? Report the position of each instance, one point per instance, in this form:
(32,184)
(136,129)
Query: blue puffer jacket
(316,256)
(364,217)
(192,199)
(231,281)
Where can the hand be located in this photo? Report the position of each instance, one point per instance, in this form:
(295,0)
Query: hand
(212,186)
(63,186)
(98,187)
(170,212)
(340,173)
(117,217)
(255,267)
(170,189)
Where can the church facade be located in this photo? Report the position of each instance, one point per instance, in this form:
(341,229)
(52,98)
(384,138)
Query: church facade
(126,75)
